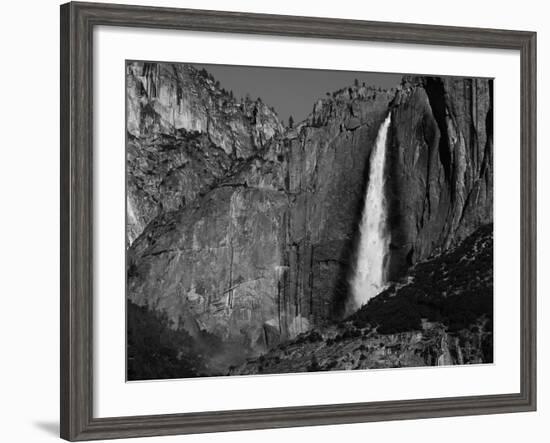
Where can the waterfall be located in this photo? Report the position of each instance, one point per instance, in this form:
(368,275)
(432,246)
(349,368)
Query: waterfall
(369,276)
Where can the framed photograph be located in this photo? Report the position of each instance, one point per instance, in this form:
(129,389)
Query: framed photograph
(272,221)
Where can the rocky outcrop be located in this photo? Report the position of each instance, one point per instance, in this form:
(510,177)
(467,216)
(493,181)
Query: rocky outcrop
(184,134)
(166,171)
(166,97)
(362,349)
(244,229)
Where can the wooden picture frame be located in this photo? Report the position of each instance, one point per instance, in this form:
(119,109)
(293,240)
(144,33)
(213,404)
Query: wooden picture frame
(77,23)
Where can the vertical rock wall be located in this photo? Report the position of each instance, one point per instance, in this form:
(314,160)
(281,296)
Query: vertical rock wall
(440,173)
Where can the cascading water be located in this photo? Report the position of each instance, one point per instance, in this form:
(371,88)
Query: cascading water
(369,277)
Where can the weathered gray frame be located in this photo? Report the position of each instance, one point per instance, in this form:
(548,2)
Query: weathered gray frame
(77,23)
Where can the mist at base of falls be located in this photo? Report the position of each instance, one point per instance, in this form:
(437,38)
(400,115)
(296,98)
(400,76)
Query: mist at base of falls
(369,275)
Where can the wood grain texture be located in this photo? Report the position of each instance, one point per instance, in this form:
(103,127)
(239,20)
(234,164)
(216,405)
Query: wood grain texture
(77,22)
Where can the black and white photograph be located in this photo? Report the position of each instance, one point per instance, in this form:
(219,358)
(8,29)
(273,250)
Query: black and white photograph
(296,220)
(291,221)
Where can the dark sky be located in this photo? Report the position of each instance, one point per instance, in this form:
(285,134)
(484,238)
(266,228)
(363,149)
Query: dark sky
(291,91)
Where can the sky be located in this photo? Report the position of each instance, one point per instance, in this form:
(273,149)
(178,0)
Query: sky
(291,91)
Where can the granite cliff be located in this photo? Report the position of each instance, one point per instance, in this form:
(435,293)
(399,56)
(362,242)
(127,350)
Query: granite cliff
(441,166)
(184,134)
(439,314)
(243,228)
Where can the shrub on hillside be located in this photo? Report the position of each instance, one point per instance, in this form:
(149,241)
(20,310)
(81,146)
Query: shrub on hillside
(455,288)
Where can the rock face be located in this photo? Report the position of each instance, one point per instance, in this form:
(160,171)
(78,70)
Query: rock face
(165,172)
(184,134)
(327,178)
(245,229)
(215,266)
(440,314)
(164,97)
(361,349)
(440,173)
